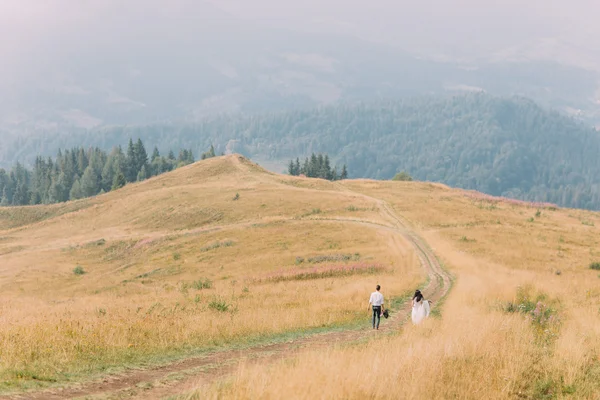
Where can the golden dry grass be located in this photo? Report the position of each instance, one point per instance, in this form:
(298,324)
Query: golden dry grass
(147,250)
(477,350)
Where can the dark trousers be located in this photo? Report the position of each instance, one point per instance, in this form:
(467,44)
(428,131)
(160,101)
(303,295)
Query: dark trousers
(376,315)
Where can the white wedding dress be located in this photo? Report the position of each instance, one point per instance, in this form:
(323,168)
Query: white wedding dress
(420,311)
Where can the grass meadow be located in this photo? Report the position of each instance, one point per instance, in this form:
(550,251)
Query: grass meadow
(521,322)
(174,266)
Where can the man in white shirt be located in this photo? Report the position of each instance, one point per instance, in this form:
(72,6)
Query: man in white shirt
(376,302)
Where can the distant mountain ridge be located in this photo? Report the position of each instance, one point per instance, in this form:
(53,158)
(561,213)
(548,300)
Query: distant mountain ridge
(501,146)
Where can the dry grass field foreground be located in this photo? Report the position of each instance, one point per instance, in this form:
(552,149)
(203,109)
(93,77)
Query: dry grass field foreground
(216,254)
(175,264)
(522,320)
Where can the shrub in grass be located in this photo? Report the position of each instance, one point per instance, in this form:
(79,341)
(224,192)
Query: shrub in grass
(78,270)
(202,284)
(334,258)
(216,245)
(176,256)
(538,310)
(218,304)
(595,266)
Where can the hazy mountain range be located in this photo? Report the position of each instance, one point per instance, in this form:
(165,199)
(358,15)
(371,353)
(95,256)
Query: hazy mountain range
(104,63)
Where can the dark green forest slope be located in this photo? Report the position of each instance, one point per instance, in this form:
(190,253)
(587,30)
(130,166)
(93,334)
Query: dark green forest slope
(509,147)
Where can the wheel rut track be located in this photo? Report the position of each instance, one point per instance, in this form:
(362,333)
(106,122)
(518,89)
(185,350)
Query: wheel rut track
(218,364)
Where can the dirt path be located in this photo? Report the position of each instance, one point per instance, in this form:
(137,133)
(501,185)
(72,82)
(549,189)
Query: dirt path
(182,376)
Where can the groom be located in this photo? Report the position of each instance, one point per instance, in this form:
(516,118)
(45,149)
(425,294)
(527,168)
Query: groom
(376,302)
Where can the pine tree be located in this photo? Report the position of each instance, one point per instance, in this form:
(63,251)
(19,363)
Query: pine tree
(171,155)
(4,201)
(82,161)
(319,171)
(22,195)
(155,154)
(56,193)
(130,163)
(89,184)
(334,175)
(297,166)
(209,154)
(35,198)
(326,169)
(344,174)
(305,167)
(75,193)
(292,168)
(313,166)
(119,181)
(141,157)
(142,175)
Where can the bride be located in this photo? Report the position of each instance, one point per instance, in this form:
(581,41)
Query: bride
(420,308)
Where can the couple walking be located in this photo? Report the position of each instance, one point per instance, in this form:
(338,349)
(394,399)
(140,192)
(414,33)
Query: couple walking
(420,307)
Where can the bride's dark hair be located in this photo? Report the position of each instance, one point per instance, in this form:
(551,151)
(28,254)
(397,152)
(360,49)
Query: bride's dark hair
(418,295)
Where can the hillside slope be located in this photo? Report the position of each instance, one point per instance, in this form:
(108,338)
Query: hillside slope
(184,263)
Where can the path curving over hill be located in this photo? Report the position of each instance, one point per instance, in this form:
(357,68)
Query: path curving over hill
(158,382)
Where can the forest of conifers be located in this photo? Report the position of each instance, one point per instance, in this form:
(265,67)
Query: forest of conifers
(79,173)
(501,146)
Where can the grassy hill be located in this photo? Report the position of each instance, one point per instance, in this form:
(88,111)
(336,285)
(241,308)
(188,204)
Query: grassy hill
(214,254)
(222,253)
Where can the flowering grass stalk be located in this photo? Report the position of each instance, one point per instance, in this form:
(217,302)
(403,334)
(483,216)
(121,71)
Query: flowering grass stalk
(328,271)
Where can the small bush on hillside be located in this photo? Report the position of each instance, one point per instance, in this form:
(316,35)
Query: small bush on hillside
(78,270)
(202,284)
(538,310)
(176,256)
(402,176)
(219,305)
(333,258)
(352,208)
(236,197)
(538,214)
(595,266)
(299,260)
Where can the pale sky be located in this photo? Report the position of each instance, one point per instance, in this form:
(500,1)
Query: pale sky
(455,28)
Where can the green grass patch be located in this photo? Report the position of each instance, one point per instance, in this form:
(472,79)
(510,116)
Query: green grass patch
(217,245)
(78,270)
(95,367)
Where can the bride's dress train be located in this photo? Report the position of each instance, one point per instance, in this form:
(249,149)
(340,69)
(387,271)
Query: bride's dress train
(420,311)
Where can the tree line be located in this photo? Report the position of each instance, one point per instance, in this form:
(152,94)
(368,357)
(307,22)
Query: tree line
(501,146)
(317,166)
(78,172)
